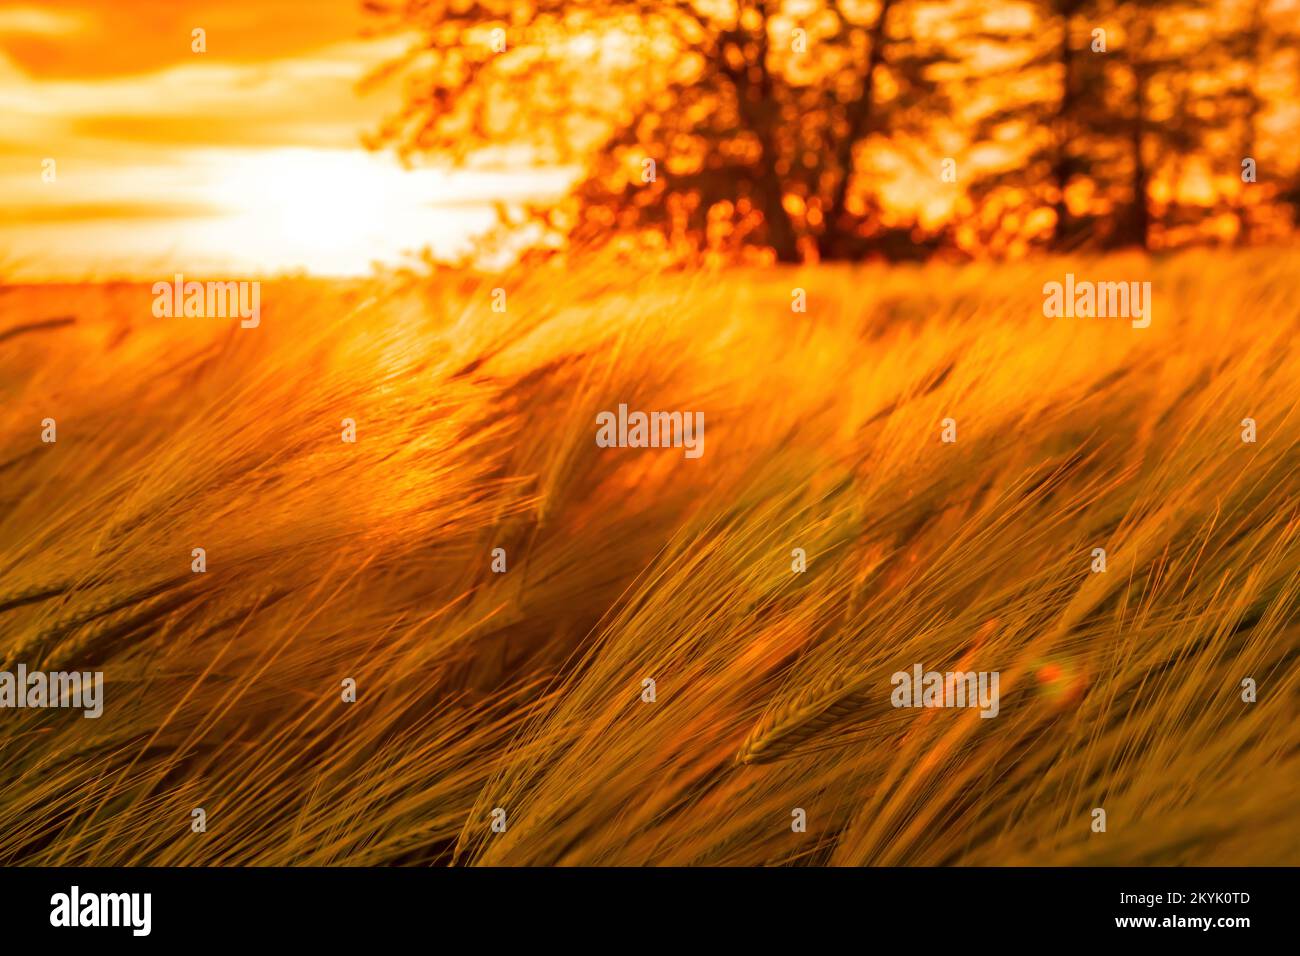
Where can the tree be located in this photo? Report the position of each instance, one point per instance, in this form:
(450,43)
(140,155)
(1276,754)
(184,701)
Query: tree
(753,115)
(1051,116)
(1256,66)
(717,126)
(1125,95)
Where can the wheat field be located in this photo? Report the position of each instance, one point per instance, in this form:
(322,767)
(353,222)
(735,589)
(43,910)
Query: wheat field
(523,691)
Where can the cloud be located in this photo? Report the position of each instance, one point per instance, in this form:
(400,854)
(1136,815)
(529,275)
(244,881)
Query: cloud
(109,210)
(246,157)
(104,38)
(309,100)
(38,22)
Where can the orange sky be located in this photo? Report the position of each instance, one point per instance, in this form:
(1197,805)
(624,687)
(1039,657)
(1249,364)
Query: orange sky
(241,160)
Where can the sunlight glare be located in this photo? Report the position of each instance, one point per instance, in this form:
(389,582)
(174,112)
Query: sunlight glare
(331,208)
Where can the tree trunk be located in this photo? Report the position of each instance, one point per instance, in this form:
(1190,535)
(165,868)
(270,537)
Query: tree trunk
(780,230)
(1061,164)
(859,117)
(760,112)
(1253,104)
(1139,229)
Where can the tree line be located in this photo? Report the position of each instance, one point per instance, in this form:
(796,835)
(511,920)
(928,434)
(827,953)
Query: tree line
(827,129)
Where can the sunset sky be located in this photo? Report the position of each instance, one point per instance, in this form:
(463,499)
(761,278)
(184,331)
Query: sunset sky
(245,159)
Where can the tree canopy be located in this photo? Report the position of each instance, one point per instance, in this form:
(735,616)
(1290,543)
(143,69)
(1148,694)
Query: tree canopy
(827,129)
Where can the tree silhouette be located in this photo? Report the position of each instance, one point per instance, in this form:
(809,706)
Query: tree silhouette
(753,117)
(714,127)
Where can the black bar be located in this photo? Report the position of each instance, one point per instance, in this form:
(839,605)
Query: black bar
(639,908)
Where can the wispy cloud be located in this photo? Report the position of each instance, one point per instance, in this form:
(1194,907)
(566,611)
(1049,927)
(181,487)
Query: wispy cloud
(248,156)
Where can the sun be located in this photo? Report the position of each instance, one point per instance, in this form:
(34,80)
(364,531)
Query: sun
(334,211)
